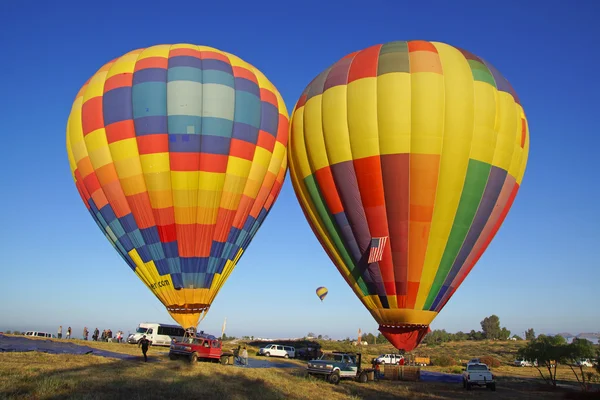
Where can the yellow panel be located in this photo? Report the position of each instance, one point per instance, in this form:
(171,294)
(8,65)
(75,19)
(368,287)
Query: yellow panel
(484,135)
(456,124)
(133,185)
(405,316)
(185,215)
(156,162)
(525,155)
(184,46)
(297,147)
(161,199)
(161,50)
(158,181)
(185,180)
(278,158)
(506,124)
(238,166)
(313,130)
(100,157)
(427,113)
(394,112)
(234,184)
(362,118)
(262,156)
(95,87)
(75,132)
(95,140)
(186,198)
(124,64)
(335,125)
(128,167)
(252,188)
(123,149)
(207,216)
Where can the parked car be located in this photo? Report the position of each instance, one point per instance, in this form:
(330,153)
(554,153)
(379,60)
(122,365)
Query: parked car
(478,374)
(39,334)
(521,362)
(200,347)
(277,350)
(389,359)
(584,362)
(337,365)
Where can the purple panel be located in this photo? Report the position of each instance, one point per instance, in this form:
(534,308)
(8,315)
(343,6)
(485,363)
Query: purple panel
(184,143)
(486,206)
(150,75)
(318,84)
(185,61)
(247,86)
(117,105)
(269,118)
(501,82)
(347,185)
(150,125)
(245,132)
(216,65)
(213,144)
(348,236)
(171,249)
(338,74)
(468,55)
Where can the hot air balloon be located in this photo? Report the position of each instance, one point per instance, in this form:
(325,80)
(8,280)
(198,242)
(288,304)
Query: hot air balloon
(322,292)
(179,152)
(406,158)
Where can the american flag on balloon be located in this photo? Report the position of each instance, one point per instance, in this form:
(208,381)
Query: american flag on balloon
(377,247)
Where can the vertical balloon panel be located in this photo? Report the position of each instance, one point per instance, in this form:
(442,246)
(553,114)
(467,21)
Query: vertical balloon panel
(405,158)
(179,152)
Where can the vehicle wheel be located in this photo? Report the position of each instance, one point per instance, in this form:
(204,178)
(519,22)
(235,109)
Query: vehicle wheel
(225,360)
(173,357)
(286,356)
(193,358)
(267,354)
(334,378)
(362,378)
(493,387)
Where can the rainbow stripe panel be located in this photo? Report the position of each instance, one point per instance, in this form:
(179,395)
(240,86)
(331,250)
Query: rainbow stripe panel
(419,141)
(179,152)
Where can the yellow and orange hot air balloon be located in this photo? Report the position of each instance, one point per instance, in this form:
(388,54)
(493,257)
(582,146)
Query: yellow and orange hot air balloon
(406,158)
(179,152)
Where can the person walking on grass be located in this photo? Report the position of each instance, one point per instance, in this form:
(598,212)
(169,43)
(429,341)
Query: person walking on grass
(68,333)
(144,343)
(59,333)
(244,356)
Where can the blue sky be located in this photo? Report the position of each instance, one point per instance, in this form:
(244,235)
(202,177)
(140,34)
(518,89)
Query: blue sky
(540,271)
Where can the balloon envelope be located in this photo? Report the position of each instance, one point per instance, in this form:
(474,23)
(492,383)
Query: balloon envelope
(322,292)
(179,152)
(406,158)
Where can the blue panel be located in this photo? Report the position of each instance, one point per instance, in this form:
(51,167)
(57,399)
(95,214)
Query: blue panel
(246,85)
(149,75)
(215,144)
(185,74)
(149,99)
(220,266)
(180,123)
(156,251)
(218,77)
(117,229)
(162,267)
(217,126)
(108,213)
(269,118)
(150,125)
(185,61)
(150,235)
(144,253)
(193,264)
(184,143)
(171,249)
(177,280)
(216,249)
(248,109)
(129,224)
(116,105)
(212,64)
(136,238)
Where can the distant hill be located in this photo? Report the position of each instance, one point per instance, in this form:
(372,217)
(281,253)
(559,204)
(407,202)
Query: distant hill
(589,335)
(566,335)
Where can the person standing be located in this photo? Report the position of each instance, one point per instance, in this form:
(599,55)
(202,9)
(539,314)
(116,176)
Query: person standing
(59,333)
(68,333)
(144,343)
(85,333)
(244,356)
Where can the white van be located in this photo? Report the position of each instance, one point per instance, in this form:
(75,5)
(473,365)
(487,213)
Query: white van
(39,334)
(158,334)
(277,350)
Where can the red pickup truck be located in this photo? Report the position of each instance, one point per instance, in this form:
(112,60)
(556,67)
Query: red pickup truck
(200,347)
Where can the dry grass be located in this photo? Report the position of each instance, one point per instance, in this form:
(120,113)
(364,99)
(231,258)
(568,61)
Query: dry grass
(36,375)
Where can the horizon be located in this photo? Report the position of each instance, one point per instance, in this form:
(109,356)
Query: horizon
(540,271)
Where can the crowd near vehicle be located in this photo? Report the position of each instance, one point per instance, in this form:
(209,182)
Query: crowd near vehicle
(478,374)
(158,334)
(200,346)
(277,350)
(338,365)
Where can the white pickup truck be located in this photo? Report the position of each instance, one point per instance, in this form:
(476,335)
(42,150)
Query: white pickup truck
(478,374)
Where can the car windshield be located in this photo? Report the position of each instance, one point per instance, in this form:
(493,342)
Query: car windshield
(331,357)
(477,367)
(141,330)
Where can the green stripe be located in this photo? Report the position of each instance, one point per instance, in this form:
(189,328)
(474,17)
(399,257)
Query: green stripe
(332,229)
(475,183)
(481,73)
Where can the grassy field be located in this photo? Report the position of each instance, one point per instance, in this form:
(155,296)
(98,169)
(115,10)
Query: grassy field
(35,375)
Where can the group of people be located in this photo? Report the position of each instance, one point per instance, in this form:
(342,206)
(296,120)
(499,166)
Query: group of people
(241,355)
(107,335)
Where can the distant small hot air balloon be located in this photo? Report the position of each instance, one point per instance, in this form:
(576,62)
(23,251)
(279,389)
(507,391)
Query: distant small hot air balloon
(322,292)
(179,152)
(406,158)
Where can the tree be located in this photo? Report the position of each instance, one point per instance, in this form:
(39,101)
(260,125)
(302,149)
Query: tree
(548,351)
(460,336)
(504,334)
(491,327)
(530,334)
(476,335)
(578,349)
(311,335)
(320,337)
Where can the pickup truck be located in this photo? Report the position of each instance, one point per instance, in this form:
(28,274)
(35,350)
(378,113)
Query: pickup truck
(478,374)
(335,366)
(200,347)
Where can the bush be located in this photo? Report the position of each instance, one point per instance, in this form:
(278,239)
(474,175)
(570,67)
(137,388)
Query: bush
(490,361)
(443,361)
(455,370)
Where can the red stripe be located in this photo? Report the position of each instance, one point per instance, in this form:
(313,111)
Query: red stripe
(242,212)
(152,144)
(240,72)
(91,115)
(167,233)
(327,186)
(225,220)
(184,161)
(421,45)
(283,130)
(213,162)
(242,149)
(120,130)
(268,96)
(185,52)
(364,64)
(117,81)
(141,210)
(266,140)
(213,55)
(523,132)
(152,62)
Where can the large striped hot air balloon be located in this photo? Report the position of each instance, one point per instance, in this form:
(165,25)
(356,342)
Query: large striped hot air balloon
(406,158)
(179,152)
